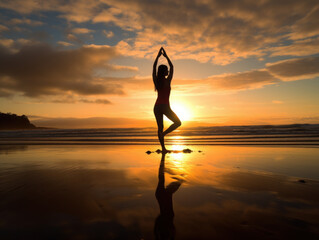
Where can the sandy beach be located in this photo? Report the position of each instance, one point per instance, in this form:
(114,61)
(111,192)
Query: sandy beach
(108,192)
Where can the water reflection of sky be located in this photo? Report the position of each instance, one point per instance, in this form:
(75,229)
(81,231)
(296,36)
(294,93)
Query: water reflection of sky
(108,192)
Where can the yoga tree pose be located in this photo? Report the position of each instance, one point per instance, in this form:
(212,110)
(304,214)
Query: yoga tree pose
(162,82)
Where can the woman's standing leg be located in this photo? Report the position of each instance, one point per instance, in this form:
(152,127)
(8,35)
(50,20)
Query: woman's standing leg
(159,120)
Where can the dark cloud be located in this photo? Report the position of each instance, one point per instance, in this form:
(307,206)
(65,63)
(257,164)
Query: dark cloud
(38,70)
(307,26)
(3,28)
(220,31)
(26,21)
(74,99)
(93,122)
(81,30)
(287,70)
(98,101)
(244,80)
(5,93)
(205,30)
(298,48)
(65,44)
(73,38)
(295,69)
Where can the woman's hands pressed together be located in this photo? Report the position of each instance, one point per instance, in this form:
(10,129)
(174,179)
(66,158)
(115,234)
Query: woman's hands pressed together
(163,52)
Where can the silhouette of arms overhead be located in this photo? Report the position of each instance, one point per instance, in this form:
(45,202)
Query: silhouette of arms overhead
(154,67)
(171,67)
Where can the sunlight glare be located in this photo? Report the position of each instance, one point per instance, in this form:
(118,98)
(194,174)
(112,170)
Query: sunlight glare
(179,155)
(181,111)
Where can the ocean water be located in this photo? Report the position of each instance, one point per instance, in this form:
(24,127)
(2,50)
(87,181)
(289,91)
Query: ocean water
(248,182)
(297,134)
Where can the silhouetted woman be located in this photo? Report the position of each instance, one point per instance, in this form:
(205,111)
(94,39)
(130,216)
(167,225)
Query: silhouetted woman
(162,81)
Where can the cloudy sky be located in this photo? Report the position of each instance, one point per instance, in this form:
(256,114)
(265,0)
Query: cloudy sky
(80,63)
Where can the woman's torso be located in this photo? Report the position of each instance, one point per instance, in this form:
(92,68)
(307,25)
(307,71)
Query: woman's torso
(163,93)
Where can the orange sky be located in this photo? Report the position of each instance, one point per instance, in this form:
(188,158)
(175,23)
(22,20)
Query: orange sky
(89,63)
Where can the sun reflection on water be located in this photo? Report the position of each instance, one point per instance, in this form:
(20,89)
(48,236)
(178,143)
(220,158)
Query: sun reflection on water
(177,151)
(176,137)
(178,162)
(177,142)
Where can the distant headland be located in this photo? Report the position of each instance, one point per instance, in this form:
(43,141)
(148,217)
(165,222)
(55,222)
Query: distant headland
(10,121)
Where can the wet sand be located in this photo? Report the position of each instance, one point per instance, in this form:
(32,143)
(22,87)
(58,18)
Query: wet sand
(108,192)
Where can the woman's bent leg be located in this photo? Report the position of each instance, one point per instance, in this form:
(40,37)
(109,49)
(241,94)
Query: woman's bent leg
(173,117)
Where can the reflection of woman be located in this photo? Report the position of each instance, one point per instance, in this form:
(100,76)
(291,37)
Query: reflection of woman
(164,225)
(162,106)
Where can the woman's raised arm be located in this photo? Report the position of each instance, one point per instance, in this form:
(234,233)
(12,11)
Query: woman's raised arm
(171,67)
(155,65)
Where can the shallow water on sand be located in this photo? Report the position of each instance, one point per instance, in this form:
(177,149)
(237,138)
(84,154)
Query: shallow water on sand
(108,192)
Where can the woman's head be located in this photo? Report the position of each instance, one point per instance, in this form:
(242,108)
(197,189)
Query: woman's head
(162,71)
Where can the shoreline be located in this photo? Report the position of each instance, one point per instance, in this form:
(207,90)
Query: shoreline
(296,145)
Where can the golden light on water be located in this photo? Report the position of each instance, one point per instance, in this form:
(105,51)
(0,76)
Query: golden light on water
(177,156)
(177,147)
(177,137)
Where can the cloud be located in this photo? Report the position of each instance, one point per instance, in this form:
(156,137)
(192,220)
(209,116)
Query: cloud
(68,98)
(121,68)
(298,48)
(71,37)
(205,30)
(5,93)
(13,46)
(94,122)
(243,80)
(96,101)
(76,11)
(108,34)
(3,28)
(128,20)
(307,26)
(212,30)
(6,43)
(286,70)
(65,44)
(227,83)
(81,30)
(26,21)
(37,70)
(295,69)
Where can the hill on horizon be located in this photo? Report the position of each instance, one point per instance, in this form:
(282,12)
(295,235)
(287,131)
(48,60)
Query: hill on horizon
(11,121)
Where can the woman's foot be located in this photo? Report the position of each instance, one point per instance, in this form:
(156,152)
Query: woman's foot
(165,151)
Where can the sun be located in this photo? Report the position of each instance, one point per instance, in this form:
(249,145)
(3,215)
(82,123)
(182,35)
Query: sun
(182,111)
